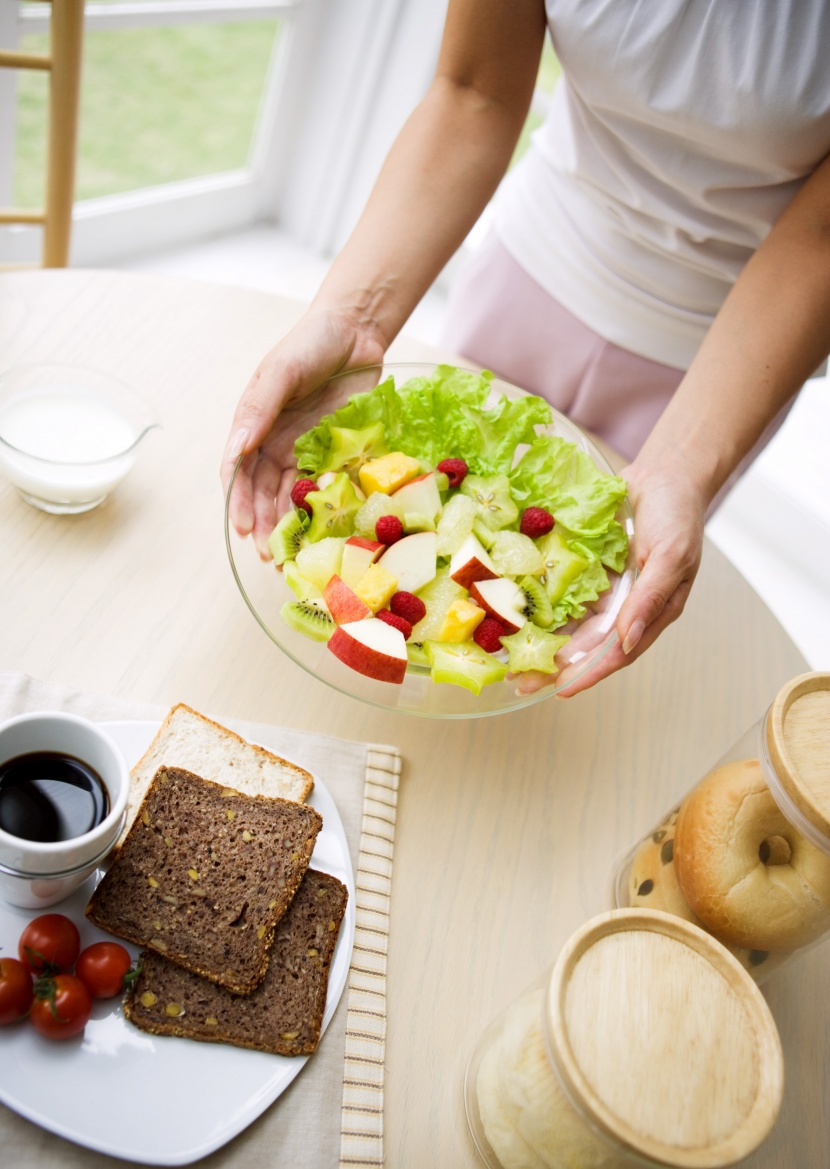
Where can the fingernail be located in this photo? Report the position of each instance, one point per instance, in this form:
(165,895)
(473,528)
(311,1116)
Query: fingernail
(238,443)
(635,631)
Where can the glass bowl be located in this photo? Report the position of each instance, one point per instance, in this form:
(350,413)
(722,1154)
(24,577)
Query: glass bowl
(68,435)
(264,590)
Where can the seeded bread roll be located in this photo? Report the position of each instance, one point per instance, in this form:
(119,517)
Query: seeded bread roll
(189,740)
(204,875)
(284,1015)
(653,884)
(745,870)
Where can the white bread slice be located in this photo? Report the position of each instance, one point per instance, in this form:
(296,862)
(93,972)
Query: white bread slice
(192,742)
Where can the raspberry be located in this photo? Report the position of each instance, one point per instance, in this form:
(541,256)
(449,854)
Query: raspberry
(408,606)
(536,522)
(395,621)
(487,634)
(388,529)
(300,490)
(455,470)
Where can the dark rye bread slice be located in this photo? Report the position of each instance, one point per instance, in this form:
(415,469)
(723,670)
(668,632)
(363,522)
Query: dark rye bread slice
(204,875)
(284,1014)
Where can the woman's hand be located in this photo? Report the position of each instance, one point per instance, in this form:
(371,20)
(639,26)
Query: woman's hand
(280,402)
(669,513)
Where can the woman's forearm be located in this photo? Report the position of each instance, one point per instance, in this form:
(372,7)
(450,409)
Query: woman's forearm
(444,166)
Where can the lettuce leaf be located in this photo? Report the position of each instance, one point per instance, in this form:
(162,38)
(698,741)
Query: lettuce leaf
(558,476)
(611,548)
(433,418)
(584,588)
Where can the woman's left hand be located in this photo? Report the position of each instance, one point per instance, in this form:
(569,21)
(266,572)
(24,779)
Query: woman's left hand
(669,513)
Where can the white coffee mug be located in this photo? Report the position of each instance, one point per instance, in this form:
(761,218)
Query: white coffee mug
(34,873)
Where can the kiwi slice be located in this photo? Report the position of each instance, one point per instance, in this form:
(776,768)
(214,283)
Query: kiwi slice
(491,495)
(333,509)
(537,607)
(533,649)
(463,663)
(288,537)
(416,654)
(311,618)
(350,449)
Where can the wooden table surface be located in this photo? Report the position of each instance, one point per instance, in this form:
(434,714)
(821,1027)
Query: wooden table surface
(508,827)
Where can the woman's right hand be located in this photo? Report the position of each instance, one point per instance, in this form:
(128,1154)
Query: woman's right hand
(278,404)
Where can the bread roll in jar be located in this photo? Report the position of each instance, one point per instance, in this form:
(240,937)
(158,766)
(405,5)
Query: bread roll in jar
(653,884)
(744,870)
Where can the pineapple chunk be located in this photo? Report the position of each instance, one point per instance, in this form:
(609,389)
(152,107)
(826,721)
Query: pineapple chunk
(388,473)
(376,587)
(461,620)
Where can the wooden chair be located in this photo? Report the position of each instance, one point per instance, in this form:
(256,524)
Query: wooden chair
(63,63)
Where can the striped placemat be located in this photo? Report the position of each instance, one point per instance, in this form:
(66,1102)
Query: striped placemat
(361,1134)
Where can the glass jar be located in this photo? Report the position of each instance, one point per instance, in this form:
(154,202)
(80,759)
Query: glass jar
(746,854)
(648,1044)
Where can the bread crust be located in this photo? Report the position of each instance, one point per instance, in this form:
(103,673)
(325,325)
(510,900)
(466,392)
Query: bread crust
(216,753)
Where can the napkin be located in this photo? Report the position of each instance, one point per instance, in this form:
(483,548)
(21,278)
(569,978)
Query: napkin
(332,1114)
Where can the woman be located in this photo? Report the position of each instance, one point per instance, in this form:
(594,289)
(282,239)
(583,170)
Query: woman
(660,268)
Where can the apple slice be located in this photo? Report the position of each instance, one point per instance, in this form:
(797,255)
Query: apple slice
(412,560)
(343,603)
(358,553)
(371,647)
(471,563)
(501,598)
(419,497)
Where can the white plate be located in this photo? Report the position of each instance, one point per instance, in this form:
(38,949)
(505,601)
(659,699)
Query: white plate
(148,1098)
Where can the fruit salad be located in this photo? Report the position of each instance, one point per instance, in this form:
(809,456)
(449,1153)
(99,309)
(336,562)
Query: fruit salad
(436,531)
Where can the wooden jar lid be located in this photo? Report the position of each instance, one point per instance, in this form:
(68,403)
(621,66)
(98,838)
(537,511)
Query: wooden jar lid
(798,742)
(663,1040)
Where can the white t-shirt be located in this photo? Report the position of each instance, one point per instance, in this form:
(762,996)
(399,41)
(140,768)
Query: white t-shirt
(677,135)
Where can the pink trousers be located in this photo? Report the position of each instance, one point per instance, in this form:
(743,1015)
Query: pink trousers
(502,320)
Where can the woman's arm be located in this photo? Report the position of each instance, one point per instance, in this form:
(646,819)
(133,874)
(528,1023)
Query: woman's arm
(439,175)
(771,334)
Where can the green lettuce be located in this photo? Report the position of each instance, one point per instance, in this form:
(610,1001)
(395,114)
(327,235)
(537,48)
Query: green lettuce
(433,418)
(586,587)
(557,475)
(446,415)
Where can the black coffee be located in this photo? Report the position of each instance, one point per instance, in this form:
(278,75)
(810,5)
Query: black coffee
(47,797)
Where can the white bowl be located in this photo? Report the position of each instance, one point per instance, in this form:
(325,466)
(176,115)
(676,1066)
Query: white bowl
(35,874)
(68,435)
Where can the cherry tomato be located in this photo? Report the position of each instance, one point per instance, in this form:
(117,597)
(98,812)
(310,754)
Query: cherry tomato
(61,1007)
(15,990)
(50,943)
(102,968)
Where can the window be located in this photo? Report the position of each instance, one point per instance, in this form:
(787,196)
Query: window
(158,105)
(185,112)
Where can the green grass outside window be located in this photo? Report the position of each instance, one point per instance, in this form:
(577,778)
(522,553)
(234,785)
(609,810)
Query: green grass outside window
(157,105)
